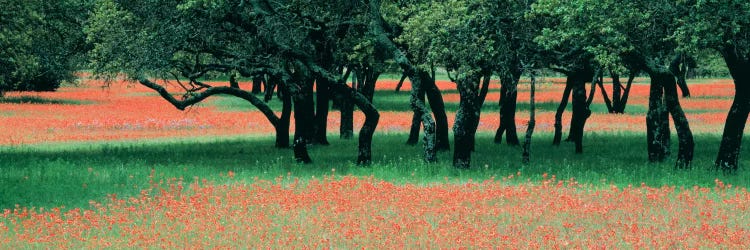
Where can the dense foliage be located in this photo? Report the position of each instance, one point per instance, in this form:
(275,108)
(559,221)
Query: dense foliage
(43,43)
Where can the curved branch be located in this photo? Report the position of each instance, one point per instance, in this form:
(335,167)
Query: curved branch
(198,97)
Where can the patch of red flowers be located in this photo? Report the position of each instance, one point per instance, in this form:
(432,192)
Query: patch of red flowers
(352,212)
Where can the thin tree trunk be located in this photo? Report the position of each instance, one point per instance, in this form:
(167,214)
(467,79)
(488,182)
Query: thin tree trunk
(616,92)
(401,82)
(626,94)
(561,110)
(282,129)
(607,102)
(322,106)
(532,122)
(731,140)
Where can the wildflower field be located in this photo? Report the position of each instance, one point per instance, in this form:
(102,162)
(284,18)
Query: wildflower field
(94,167)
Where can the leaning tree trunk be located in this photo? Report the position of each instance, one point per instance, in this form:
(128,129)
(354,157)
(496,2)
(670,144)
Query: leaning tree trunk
(508,101)
(466,117)
(364,152)
(731,140)
(684,135)
(401,82)
(322,106)
(437,105)
(561,109)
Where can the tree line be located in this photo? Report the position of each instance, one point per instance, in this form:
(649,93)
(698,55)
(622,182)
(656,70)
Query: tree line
(304,52)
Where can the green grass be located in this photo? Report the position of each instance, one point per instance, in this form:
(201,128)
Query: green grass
(72,174)
(389,101)
(41,100)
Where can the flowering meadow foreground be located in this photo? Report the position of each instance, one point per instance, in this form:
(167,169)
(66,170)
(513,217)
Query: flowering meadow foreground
(207,195)
(352,212)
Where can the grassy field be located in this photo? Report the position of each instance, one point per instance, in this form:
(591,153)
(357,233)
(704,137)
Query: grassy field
(91,168)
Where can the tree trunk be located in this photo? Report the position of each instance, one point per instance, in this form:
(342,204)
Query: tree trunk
(508,102)
(561,110)
(442,143)
(616,91)
(377,27)
(346,127)
(233,83)
(684,135)
(731,140)
(525,156)
(679,69)
(304,115)
(656,134)
(416,121)
(626,93)
(270,86)
(364,155)
(607,102)
(465,125)
(322,107)
(282,129)
(581,111)
(257,83)
(401,82)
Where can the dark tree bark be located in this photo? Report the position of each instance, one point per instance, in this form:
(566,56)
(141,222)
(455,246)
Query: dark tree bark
(364,155)
(508,102)
(280,124)
(416,121)
(322,107)
(282,130)
(442,143)
(626,93)
(616,92)
(269,90)
(233,82)
(657,126)
(304,115)
(684,135)
(581,111)
(731,140)
(257,83)
(377,26)
(561,110)
(346,127)
(525,156)
(467,118)
(607,101)
(679,69)
(401,82)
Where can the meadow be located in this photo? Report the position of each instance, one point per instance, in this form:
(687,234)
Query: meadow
(92,167)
